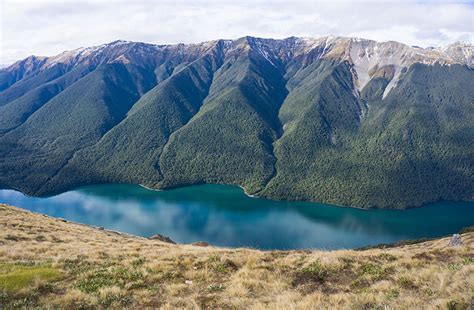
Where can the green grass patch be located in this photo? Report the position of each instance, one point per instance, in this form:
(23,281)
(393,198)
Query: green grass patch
(407,283)
(226,266)
(14,277)
(387,257)
(454,266)
(114,299)
(466,230)
(138,262)
(457,305)
(376,272)
(392,294)
(468,260)
(110,277)
(316,272)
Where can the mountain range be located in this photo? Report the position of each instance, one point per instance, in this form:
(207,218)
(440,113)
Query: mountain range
(339,120)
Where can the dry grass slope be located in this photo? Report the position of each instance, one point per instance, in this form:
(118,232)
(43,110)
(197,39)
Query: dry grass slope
(52,263)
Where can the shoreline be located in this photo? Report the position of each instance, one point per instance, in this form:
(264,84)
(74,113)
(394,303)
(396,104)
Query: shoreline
(151,189)
(102,229)
(255,196)
(247,194)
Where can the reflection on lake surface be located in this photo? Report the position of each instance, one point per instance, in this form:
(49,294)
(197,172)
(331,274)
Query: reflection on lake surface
(225,216)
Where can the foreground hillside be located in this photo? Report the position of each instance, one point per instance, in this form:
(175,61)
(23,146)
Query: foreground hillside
(337,120)
(50,262)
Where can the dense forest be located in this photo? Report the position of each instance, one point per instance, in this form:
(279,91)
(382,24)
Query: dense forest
(281,120)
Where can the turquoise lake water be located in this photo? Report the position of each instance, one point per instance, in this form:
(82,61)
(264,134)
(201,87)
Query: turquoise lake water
(224,216)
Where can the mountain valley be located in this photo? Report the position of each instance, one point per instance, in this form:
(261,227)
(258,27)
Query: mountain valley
(338,120)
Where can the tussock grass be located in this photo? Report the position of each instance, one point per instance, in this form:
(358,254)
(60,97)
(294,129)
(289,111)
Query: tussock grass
(52,263)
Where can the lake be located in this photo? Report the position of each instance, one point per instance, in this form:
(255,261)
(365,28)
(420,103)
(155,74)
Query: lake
(224,216)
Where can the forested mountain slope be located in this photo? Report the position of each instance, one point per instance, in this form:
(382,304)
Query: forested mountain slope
(340,120)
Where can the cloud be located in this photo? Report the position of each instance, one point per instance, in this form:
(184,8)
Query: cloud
(48,27)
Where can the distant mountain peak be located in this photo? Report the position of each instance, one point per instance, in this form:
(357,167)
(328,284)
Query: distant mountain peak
(457,52)
(366,56)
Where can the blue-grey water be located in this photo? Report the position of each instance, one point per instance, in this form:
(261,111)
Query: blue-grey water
(224,216)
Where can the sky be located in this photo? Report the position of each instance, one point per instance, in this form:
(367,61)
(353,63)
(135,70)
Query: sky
(48,27)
